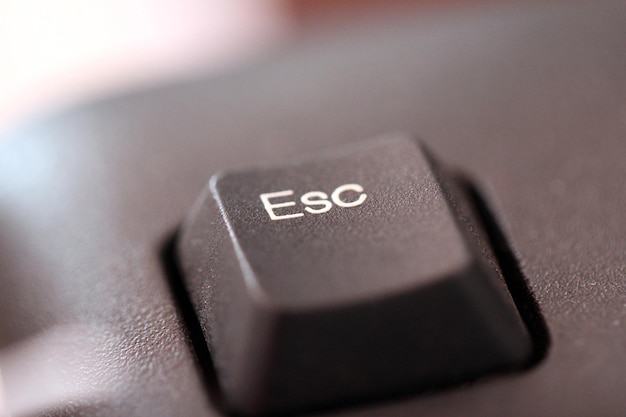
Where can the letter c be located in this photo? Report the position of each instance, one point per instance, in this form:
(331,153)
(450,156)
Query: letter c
(336,195)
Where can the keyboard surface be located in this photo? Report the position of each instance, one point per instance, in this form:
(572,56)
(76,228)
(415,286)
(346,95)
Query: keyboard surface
(529,100)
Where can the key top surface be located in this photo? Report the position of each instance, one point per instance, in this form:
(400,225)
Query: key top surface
(331,257)
(343,276)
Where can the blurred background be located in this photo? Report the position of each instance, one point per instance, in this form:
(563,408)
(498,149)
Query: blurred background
(57,52)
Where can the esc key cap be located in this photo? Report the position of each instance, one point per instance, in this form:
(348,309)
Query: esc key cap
(343,277)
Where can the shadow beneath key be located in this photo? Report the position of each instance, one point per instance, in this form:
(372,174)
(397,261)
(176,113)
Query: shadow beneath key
(195,336)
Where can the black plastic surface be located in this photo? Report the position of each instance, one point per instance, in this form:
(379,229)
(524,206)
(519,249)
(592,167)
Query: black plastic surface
(378,286)
(530,100)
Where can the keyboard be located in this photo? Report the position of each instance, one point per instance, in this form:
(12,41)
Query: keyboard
(424,218)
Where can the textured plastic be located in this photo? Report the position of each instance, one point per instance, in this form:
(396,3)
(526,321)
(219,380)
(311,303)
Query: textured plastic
(379,288)
(529,100)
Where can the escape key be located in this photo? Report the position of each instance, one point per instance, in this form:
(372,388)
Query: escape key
(344,276)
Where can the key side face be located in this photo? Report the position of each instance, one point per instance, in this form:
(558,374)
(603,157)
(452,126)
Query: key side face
(348,277)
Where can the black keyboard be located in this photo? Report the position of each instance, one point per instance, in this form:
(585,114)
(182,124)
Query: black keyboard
(420,219)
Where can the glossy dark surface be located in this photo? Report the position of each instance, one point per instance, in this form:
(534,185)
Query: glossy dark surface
(529,101)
